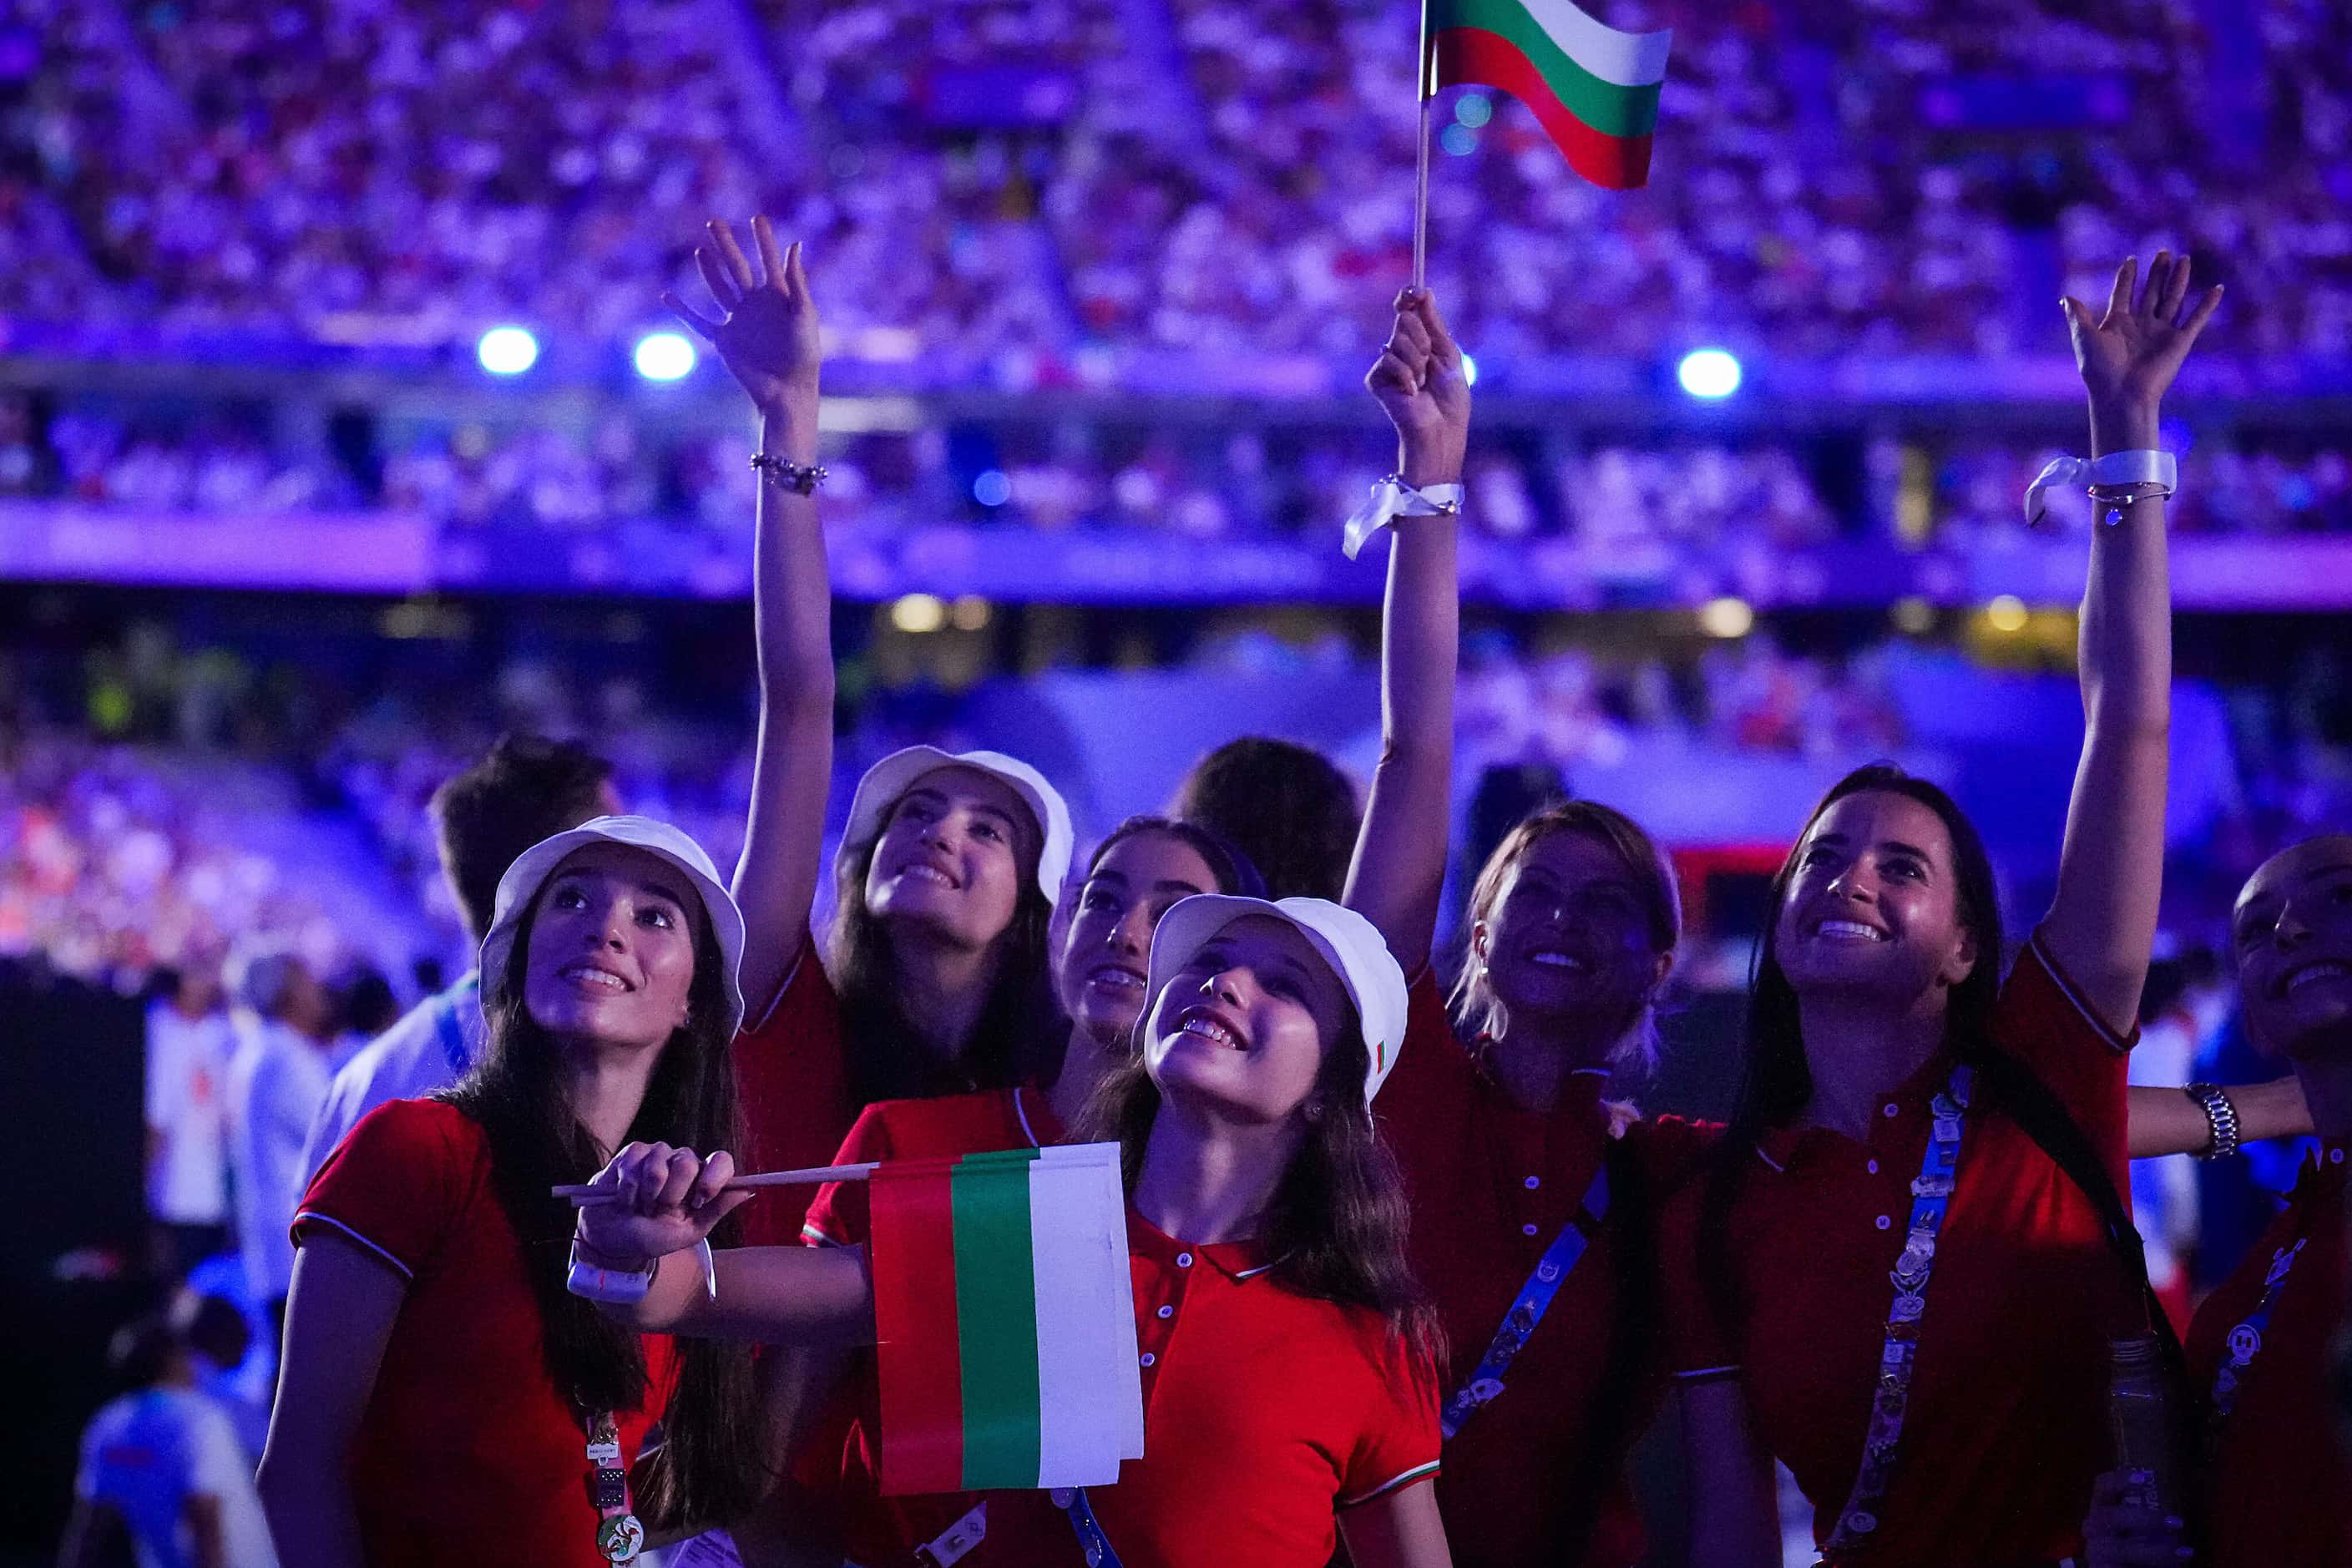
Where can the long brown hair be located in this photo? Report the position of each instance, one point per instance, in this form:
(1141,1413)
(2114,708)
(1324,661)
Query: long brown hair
(1337,1226)
(891,1056)
(713,1463)
(1478,1012)
(1776,1081)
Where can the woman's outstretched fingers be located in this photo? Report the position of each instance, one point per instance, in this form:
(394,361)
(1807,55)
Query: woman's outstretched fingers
(703,327)
(715,277)
(771,257)
(738,264)
(2119,298)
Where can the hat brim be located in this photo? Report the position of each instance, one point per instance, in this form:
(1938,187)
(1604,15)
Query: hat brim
(519,888)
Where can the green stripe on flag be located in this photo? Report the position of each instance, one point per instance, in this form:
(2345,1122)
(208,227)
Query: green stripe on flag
(1607,108)
(996,1321)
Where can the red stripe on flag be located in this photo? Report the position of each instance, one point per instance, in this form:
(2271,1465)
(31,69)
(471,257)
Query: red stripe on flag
(1468,55)
(918,1365)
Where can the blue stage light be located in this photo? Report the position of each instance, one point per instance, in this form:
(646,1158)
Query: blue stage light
(506,351)
(1709,372)
(664,356)
(992,488)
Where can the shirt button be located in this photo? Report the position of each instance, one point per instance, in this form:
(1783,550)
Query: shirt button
(1184,1260)
(1893,1110)
(1884,1222)
(1527,1230)
(1149,1358)
(1873,1167)
(1167,1311)
(1534,1182)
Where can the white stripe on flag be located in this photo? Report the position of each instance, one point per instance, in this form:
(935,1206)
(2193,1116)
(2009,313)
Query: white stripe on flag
(1626,59)
(1077,1248)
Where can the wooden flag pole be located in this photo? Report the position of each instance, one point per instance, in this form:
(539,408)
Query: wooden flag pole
(585,1195)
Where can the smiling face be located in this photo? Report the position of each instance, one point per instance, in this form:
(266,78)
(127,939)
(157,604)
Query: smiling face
(1244,1025)
(611,957)
(1102,971)
(1874,906)
(1566,942)
(2292,936)
(952,857)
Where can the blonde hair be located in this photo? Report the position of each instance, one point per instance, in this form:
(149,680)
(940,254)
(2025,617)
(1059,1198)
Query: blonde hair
(1478,1013)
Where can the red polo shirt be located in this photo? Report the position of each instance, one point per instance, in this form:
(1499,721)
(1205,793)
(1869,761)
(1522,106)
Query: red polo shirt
(1265,1413)
(789,1071)
(466,1453)
(2278,1489)
(1492,1186)
(2006,1422)
(839,1460)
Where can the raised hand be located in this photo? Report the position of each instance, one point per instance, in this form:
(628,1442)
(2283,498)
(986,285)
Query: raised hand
(767,335)
(1419,383)
(2130,355)
(669,1199)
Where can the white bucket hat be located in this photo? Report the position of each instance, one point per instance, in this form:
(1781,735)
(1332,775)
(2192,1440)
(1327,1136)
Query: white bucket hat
(533,868)
(894,774)
(1348,942)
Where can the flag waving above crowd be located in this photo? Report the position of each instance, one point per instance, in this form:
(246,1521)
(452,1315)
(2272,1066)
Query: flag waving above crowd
(1594,89)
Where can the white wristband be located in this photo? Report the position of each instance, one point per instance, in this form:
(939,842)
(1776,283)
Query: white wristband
(2141,466)
(626,1289)
(1393,499)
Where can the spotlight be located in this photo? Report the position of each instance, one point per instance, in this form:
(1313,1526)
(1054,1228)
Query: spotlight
(918,613)
(506,351)
(664,356)
(2006,614)
(1709,372)
(1469,370)
(1726,619)
(991,487)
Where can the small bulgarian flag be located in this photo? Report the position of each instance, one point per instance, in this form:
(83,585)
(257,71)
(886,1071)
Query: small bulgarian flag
(1005,1321)
(1594,89)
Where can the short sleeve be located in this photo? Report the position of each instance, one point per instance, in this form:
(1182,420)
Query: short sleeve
(394,1186)
(839,1215)
(1399,1443)
(794,1086)
(1433,1079)
(2043,1021)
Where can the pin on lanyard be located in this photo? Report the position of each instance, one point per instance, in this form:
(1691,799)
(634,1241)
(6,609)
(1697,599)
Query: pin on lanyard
(2246,1341)
(1528,1307)
(619,1536)
(1931,1197)
(1092,1542)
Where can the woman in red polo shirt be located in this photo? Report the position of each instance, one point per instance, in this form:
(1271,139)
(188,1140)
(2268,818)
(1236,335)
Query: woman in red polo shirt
(1915,1299)
(2273,1485)
(935,978)
(444,1399)
(1288,1359)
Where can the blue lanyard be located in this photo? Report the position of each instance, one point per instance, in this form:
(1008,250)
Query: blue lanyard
(2246,1341)
(1535,1299)
(1072,1500)
(1931,1196)
(451,1029)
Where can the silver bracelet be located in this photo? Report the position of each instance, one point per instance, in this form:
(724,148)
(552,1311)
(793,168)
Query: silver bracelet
(798,478)
(2220,1116)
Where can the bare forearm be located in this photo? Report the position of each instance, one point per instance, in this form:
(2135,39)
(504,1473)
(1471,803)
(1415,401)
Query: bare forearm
(791,589)
(2167,1121)
(2126,645)
(308,1506)
(778,1295)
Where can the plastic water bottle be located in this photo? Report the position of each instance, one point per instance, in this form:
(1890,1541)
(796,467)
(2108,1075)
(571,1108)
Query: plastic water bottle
(2143,1422)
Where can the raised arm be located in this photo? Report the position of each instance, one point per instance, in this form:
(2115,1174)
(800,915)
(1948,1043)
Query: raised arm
(2102,921)
(669,1200)
(2167,1121)
(1398,870)
(767,335)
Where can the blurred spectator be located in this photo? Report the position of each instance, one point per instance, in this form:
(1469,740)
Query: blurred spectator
(189,1045)
(162,1470)
(278,1080)
(524,789)
(1286,806)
